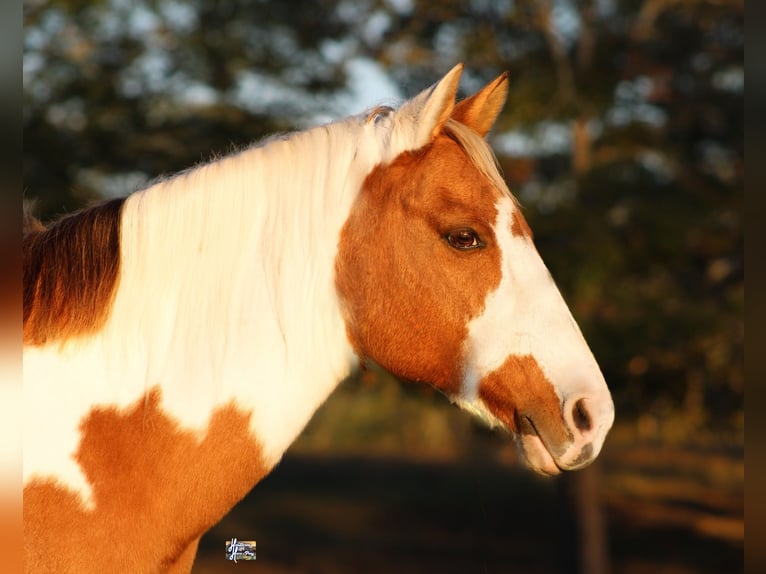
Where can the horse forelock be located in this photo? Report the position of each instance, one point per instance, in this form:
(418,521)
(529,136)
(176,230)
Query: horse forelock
(481,155)
(479,152)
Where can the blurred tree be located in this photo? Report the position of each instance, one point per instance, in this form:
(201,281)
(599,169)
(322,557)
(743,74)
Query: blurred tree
(623,138)
(117,92)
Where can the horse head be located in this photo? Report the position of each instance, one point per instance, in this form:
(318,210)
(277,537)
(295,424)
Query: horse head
(440,282)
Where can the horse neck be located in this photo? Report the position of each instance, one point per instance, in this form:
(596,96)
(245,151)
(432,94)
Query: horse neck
(227,284)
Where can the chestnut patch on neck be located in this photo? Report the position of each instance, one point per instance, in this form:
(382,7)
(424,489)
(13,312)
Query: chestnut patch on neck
(408,295)
(70,273)
(156,487)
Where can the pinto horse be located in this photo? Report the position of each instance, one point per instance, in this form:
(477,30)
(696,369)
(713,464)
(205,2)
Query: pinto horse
(178,340)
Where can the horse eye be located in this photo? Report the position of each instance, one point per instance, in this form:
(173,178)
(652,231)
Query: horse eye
(464,239)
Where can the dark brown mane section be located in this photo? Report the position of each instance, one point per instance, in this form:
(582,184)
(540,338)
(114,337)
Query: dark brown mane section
(70,272)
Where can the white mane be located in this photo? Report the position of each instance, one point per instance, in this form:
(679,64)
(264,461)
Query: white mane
(226,293)
(232,268)
(227,290)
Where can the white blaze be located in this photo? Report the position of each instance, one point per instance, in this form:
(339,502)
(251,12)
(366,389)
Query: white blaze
(526,315)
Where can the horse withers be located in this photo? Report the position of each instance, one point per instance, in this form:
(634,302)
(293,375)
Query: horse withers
(179,339)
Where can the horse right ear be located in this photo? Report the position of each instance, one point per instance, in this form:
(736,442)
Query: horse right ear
(430,109)
(479,111)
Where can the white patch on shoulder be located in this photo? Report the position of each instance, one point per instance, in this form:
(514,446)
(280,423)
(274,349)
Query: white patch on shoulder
(257,325)
(61,386)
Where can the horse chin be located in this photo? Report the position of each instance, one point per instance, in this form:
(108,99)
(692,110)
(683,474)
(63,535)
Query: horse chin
(531,447)
(536,455)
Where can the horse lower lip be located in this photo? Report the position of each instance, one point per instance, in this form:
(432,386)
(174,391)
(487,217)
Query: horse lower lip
(527,426)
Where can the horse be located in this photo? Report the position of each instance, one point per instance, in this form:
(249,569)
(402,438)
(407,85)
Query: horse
(177,340)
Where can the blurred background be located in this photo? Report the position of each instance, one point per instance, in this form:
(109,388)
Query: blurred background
(623,140)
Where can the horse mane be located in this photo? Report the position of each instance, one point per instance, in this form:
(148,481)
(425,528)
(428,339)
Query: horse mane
(70,271)
(71,266)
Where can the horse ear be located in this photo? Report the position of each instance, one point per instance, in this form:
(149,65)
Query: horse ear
(432,107)
(480,110)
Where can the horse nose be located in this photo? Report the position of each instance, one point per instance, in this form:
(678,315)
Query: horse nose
(588,419)
(581,416)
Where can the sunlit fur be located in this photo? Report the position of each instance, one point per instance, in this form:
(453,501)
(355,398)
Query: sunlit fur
(480,154)
(224,309)
(226,292)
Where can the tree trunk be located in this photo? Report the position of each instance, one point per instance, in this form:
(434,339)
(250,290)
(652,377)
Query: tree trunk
(581,146)
(585,543)
(594,551)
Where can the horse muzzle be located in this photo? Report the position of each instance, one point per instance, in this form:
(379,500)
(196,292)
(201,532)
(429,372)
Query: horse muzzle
(584,423)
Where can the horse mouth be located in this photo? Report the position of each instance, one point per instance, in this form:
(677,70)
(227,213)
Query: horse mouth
(535,451)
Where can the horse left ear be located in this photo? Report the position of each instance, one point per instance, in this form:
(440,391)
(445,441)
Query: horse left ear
(432,107)
(480,110)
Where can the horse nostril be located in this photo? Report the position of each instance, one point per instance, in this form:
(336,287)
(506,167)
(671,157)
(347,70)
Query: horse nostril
(581,416)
